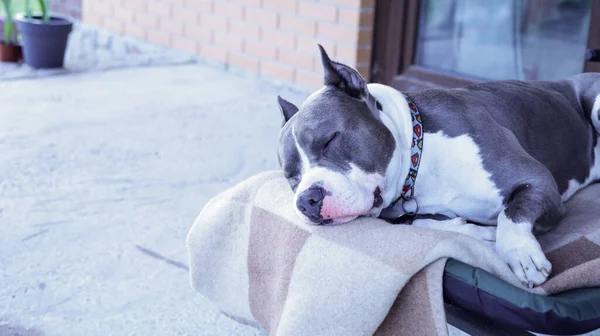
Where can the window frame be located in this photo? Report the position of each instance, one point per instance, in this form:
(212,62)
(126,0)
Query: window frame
(394,48)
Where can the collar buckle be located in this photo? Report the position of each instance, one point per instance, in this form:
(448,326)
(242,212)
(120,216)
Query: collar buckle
(408,199)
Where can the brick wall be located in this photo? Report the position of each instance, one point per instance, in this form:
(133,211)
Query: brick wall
(276,38)
(70,8)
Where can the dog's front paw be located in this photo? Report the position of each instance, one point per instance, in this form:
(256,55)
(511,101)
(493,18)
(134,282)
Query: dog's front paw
(526,259)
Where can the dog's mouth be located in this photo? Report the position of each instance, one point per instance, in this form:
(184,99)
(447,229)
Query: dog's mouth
(377,202)
(327,220)
(377,199)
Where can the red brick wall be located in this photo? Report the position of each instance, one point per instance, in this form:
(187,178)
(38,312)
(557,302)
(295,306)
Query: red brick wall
(276,38)
(70,8)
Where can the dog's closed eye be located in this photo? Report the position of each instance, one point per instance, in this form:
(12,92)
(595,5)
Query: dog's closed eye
(293,180)
(333,137)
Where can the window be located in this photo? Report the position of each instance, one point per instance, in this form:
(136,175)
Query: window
(454,42)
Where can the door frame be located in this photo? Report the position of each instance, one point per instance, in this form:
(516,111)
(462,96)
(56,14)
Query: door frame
(394,47)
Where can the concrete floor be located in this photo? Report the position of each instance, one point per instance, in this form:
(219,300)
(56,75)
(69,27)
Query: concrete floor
(101,176)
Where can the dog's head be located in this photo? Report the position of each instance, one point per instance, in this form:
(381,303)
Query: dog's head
(334,149)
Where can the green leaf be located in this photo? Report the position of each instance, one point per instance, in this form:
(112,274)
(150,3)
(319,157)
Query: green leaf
(28,9)
(45,10)
(8,23)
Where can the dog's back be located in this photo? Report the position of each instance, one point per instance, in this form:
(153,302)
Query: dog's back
(555,122)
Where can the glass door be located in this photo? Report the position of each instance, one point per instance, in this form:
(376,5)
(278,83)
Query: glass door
(456,42)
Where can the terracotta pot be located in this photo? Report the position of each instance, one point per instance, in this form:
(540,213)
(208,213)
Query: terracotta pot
(10,53)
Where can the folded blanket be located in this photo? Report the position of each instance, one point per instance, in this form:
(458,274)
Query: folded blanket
(261,265)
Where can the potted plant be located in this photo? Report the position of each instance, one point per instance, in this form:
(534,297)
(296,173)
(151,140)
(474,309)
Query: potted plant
(10,50)
(44,36)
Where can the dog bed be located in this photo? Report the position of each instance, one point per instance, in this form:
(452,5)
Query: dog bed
(572,312)
(260,264)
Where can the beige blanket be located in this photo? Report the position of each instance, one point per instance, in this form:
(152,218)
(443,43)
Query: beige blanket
(261,265)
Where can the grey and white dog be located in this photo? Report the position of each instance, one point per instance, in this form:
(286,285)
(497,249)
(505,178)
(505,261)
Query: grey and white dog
(505,154)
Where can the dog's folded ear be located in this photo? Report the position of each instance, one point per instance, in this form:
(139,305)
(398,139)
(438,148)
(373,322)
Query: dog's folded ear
(342,76)
(287,109)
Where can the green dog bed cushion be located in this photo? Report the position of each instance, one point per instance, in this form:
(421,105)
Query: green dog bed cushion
(568,303)
(575,311)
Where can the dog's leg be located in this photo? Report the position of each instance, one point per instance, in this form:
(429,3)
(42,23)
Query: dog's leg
(534,206)
(460,225)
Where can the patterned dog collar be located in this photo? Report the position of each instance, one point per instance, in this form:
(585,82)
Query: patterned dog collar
(416,151)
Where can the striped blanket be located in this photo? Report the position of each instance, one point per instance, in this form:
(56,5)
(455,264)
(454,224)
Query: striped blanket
(261,265)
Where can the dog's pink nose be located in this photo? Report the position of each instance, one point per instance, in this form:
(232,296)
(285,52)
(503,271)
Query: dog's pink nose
(310,202)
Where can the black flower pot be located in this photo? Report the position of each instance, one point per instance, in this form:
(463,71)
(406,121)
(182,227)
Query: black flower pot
(44,43)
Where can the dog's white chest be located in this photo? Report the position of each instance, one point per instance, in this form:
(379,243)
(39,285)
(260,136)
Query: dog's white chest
(452,180)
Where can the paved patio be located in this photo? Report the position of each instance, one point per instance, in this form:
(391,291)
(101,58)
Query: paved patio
(101,176)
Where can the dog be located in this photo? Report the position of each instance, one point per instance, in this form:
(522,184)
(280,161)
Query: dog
(502,154)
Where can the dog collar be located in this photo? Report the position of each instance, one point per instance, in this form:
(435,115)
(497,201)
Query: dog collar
(416,151)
